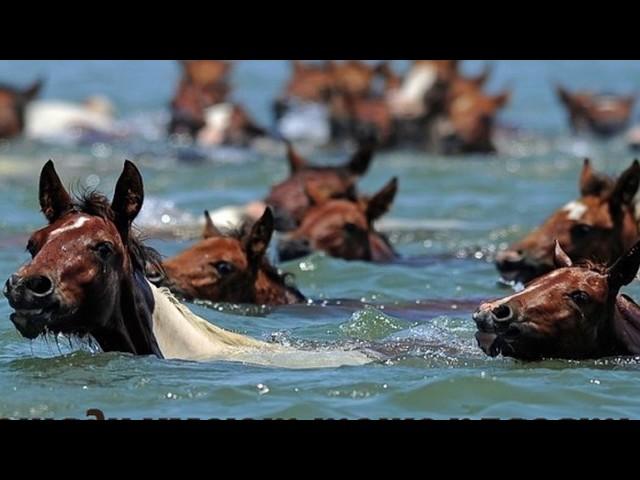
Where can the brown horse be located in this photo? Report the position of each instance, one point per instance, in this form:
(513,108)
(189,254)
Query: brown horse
(603,115)
(599,226)
(468,123)
(342,228)
(87,278)
(229,268)
(13,102)
(201,109)
(573,312)
(288,198)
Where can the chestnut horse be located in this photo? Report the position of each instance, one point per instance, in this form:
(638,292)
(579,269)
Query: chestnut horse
(342,228)
(13,102)
(229,268)
(201,110)
(288,198)
(574,312)
(603,115)
(599,226)
(87,277)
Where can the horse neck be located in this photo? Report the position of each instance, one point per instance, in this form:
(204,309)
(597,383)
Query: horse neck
(130,327)
(181,334)
(272,291)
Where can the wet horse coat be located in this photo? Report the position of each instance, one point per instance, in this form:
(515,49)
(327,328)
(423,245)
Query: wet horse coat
(98,287)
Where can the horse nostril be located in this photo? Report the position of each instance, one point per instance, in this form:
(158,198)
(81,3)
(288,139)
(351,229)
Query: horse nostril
(39,285)
(502,312)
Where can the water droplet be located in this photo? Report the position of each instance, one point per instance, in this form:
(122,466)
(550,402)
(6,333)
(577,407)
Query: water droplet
(165,218)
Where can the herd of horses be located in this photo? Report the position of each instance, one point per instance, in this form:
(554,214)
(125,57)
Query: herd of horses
(90,274)
(433,106)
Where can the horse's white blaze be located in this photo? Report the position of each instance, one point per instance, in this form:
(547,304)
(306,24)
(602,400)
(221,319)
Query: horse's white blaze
(526,290)
(218,120)
(181,334)
(575,210)
(77,223)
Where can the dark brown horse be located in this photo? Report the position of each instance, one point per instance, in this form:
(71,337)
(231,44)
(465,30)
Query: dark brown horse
(288,198)
(599,226)
(229,268)
(603,115)
(87,277)
(201,108)
(13,102)
(574,312)
(342,228)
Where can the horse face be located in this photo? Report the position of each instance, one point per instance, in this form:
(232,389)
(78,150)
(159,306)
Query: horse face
(600,114)
(341,228)
(220,268)
(309,83)
(78,260)
(599,226)
(469,123)
(288,198)
(12,106)
(567,313)
(203,84)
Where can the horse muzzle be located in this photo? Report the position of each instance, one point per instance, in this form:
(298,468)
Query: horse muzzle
(34,301)
(292,249)
(497,328)
(516,267)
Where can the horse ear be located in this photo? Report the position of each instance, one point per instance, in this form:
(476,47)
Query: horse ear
(128,197)
(296,162)
(592,183)
(54,199)
(380,203)
(257,242)
(31,92)
(560,257)
(564,95)
(210,229)
(627,185)
(361,159)
(483,76)
(624,270)
(501,99)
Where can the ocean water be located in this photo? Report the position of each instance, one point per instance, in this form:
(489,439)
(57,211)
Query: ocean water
(450,216)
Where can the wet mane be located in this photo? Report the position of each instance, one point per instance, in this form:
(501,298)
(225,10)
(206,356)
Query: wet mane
(96,204)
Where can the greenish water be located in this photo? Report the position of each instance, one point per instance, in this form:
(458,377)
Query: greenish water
(419,308)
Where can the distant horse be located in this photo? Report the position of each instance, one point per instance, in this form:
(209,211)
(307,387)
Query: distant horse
(574,312)
(13,103)
(599,226)
(87,277)
(603,115)
(288,198)
(229,268)
(200,108)
(341,228)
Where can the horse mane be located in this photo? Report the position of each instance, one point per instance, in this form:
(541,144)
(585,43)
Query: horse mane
(96,204)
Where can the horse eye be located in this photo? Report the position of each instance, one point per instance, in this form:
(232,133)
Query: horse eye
(581,230)
(580,297)
(223,268)
(103,249)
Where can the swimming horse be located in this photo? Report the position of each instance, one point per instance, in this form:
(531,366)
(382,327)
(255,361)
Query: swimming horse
(600,226)
(573,312)
(87,277)
(229,267)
